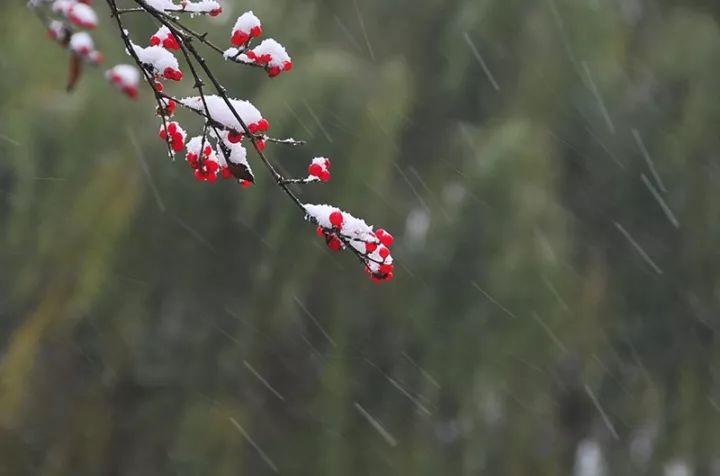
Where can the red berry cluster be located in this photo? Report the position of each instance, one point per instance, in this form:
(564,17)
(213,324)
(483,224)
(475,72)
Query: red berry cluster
(384,267)
(320,169)
(169,105)
(82,15)
(235,137)
(125,77)
(173,74)
(206,167)
(240,37)
(174,135)
(374,247)
(265,59)
(218,152)
(165,38)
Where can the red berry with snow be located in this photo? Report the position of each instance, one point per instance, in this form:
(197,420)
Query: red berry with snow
(239,38)
(336,219)
(385,238)
(234,137)
(177,143)
(386,268)
(171,42)
(315,170)
(173,74)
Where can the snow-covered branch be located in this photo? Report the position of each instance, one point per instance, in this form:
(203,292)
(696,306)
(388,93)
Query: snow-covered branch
(228,126)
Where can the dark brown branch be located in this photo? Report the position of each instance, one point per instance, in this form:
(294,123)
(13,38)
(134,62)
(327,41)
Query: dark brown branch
(185,38)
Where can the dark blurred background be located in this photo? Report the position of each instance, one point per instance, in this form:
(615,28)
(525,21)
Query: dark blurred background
(550,169)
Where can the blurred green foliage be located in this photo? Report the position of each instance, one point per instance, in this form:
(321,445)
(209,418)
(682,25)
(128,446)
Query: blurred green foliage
(550,170)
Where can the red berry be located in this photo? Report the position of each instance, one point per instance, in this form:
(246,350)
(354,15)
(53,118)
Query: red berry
(238,38)
(383,252)
(385,237)
(234,137)
(287,66)
(320,231)
(163,134)
(327,163)
(389,277)
(260,145)
(172,128)
(315,170)
(386,268)
(207,151)
(253,128)
(334,243)
(226,173)
(170,109)
(245,183)
(273,71)
(370,247)
(216,12)
(159,86)
(325,176)
(171,43)
(251,55)
(173,74)
(256,31)
(336,219)
(212,166)
(263,125)
(154,40)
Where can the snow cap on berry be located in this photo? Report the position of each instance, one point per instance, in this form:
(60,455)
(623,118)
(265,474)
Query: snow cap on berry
(159,61)
(319,168)
(246,27)
(80,14)
(219,111)
(125,77)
